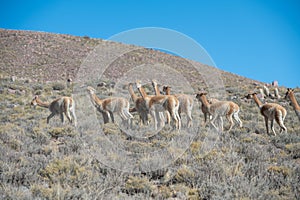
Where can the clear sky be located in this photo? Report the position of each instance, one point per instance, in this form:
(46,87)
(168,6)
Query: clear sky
(258,39)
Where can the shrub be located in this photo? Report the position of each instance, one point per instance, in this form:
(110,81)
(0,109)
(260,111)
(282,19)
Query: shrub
(195,146)
(39,136)
(38,92)
(58,86)
(66,170)
(165,192)
(285,171)
(61,132)
(294,149)
(136,184)
(111,129)
(184,175)
(40,191)
(38,87)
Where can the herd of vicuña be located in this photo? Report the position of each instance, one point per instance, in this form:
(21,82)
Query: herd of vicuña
(166,108)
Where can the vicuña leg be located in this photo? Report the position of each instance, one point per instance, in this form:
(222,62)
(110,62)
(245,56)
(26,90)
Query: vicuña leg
(266,123)
(213,120)
(280,119)
(189,119)
(272,126)
(237,119)
(229,118)
(62,118)
(49,117)
(74,117)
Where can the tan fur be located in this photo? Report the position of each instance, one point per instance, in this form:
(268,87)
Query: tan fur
(219,109)
(266,91)
(205,111)
(204,108)
(276,93)
(291,96)
(212,100)
(161,103)
(155,86)
(111,105)
(271,112)
(60,106)
(262,93)
(186,103)
(140,105)
(157,93)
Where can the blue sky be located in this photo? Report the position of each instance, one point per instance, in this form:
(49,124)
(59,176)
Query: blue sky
(252,38)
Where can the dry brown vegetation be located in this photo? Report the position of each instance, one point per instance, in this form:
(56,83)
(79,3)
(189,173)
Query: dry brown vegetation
(55,161)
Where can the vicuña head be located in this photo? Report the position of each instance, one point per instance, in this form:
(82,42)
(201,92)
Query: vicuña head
(289,93)
(91,90)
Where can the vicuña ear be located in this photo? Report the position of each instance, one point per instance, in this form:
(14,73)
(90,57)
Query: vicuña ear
(138,83)
(201,93)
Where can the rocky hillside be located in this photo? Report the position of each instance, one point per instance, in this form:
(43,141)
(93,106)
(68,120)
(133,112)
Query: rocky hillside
(107,161)
(51,57)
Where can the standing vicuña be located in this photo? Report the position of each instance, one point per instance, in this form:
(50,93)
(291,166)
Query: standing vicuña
(140,105)
(219,109)
(161,103)
(158,93)
(271,111)
(290,95)
(186,103)
(58,107)
(111,105)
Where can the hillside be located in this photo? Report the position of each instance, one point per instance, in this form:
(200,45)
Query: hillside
(52,57)
(107,161)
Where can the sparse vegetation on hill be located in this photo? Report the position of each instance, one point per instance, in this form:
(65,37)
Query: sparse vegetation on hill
(56,161)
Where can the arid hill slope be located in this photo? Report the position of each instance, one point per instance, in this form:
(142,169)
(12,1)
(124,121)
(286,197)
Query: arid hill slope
(52,57)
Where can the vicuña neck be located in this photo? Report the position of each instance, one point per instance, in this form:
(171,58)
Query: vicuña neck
(96,98)
(42,104)
(257,101)
(132,94)
(142,92)
(157,92)
(294,101)
(204,101)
